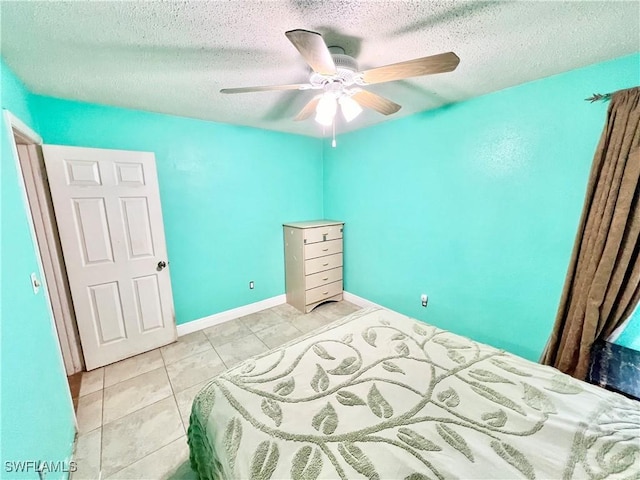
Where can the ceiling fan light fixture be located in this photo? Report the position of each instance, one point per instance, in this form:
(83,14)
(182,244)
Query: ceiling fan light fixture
(326,110)
(350,108)
(339,79)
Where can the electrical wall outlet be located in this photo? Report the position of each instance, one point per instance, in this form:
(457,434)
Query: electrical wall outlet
(35,283)
(424,299)
(251,285)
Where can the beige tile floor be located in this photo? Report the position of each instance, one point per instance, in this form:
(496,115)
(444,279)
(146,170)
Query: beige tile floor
(133,415)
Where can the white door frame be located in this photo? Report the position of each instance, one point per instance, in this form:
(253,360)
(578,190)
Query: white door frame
(55,275)
(45,227)
(15,125)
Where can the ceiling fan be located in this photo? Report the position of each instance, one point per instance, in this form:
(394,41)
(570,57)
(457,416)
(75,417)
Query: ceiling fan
(336,75)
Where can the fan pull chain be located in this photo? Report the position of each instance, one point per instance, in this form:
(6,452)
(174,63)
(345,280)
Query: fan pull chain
(333,142)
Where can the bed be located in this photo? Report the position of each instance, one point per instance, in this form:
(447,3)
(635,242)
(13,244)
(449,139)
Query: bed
(379,395)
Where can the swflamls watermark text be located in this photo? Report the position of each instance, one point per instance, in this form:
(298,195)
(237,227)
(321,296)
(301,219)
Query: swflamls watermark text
(25,466)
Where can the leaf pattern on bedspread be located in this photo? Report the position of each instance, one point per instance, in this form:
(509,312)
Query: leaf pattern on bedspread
(402,349)
(514,457)
(537,400)
(415,440)
(322,352)
(265,460)
(495,419)
(483,375)
(307,464)
(358,460)
(389,366)
(454,439)
(496,397)
(449,397)
(348,398)
(326,420)
(285,388)
(272,409)
(377,403)
(232,439)
(419,330)
(370,336)
(456,356)
(561,383)
(417,476)
(379,395)
(320,381)
(509,368)
(346,367)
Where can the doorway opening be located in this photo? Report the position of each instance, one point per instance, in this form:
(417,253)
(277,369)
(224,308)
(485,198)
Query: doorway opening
(28,147)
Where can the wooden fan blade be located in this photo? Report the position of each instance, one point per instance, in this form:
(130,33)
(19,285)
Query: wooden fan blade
(267,88)
(312,47)
(308,109)
(376,102)
(441,63)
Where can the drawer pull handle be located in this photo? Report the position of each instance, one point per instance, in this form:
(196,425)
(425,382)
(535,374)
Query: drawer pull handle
(325,278)
(325,293)
(325,264)
(325,249)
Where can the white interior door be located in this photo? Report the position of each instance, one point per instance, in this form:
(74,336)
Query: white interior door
(107,205)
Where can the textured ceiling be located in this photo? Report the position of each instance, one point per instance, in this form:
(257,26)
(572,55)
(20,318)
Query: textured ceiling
(174,57)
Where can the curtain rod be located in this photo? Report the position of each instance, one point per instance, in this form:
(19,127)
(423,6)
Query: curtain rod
(598,97)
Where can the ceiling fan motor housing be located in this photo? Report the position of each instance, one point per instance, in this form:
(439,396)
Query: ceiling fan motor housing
(346,69)
(343,61)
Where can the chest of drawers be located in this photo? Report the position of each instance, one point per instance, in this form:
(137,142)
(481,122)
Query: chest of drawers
(313,263)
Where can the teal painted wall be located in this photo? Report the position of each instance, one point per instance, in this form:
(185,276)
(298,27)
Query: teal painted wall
(32,376)
(630,336)
(475,204)
(225,192)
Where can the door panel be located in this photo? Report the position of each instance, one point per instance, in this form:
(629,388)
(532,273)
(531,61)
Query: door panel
(130,174)
(137,229)
(107,206)
(92,230)
(148,302)
(82,173)
(107,312)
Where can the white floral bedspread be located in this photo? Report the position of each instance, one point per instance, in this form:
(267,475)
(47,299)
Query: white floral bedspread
(379,395)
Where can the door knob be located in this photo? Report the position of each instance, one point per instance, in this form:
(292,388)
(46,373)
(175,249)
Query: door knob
(161,264)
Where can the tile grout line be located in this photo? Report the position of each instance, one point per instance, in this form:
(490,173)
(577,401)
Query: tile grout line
(260,340)
(102,424)
(142,458)
(137,410)
(151,404)
(138,374)
(173,392)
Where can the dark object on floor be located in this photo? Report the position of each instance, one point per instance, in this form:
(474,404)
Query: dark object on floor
(615,368)
(74,385)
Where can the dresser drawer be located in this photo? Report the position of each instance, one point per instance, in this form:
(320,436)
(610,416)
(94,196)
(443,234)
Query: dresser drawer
(325,291)
(322,278)
(322,234)
(322,263)
(322,249)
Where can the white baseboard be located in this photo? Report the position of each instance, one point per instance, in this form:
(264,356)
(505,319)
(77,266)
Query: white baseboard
(361,302)
(227,315)
(218,318)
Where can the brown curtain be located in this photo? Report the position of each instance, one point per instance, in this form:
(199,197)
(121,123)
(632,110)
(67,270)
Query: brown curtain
(603,282)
